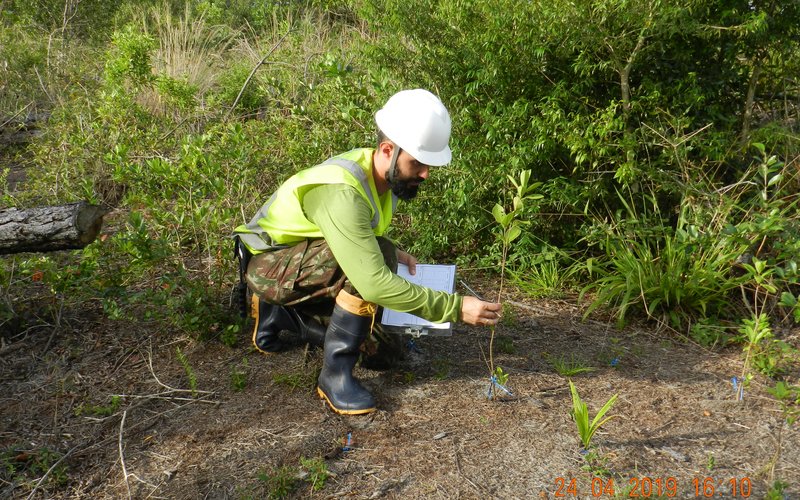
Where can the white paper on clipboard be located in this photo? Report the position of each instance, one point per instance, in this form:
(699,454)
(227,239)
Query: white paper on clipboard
(434,276)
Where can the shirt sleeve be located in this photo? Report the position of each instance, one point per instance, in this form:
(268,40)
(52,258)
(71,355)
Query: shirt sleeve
(344,218)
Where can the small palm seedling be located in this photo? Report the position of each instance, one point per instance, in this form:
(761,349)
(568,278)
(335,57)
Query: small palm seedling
(568,367)
(580,412)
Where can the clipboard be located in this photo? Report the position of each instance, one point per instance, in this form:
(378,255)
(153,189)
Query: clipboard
(434,276)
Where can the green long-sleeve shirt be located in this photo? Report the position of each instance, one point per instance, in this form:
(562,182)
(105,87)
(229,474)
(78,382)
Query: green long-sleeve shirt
(344,219)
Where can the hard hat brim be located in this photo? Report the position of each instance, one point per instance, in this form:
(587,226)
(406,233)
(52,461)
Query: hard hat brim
(433,158)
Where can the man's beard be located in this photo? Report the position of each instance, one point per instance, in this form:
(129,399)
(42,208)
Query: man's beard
(405,189)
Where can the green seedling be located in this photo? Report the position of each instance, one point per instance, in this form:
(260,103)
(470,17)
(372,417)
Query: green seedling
(510,228)
(281,482)
(754,331)
(239,375)
(441,367)
(317,471)
(100,410)
(230,335)
(547,278)
(596,465)
(708,332)
(777,491)
(21,465)
(791,302)
(580,412)
(500,375)
(187,368)
(509,318)
(404,377)
(295,380)
(789,398)
(505,344)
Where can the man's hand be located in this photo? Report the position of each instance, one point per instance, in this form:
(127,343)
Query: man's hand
(475,311)
(409,260)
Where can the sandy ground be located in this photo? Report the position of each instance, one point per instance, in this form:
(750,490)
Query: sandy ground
(253,422)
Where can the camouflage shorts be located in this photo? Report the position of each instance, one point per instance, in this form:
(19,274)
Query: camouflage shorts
(304,273)
(308,277)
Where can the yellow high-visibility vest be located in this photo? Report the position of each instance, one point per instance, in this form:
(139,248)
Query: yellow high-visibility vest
(281,221)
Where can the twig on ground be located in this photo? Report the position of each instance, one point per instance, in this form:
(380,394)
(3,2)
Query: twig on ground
(121,361)
(19,112)
(165,396)
(121,455)
(122,460)
(461,474)
(705,349)
(165,386)
(42,85)
(51,469)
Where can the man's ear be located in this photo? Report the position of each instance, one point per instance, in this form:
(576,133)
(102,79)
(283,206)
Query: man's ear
(386,148)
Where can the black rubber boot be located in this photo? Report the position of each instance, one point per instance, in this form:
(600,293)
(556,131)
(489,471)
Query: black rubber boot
(336,384)
(271,319)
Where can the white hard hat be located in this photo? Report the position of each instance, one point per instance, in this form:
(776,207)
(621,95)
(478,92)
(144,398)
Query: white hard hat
(418,122)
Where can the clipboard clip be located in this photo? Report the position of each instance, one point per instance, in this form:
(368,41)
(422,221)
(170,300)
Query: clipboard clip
(414,331)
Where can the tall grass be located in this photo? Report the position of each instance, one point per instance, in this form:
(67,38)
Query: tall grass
(669,274)
(691,268)
(190,51)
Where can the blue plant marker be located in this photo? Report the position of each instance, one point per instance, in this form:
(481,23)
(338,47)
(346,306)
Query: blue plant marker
(347,443)
(739,394)
(412,346)
(495,383)
(614,362)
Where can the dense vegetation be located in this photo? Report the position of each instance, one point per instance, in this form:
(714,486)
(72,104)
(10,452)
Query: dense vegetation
(665,136)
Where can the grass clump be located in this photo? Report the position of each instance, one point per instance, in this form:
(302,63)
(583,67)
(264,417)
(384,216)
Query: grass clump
(568,367)
(286,480)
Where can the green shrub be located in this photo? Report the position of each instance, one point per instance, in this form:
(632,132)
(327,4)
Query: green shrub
(675,275)
(737,238)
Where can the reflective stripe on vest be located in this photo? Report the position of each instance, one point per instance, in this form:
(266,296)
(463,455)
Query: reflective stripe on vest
(257,239)
(358,172)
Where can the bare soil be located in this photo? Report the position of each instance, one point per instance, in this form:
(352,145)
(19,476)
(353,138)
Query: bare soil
(677,425)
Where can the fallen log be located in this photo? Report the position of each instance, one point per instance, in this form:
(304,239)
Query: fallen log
(45,229)
(15,130)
